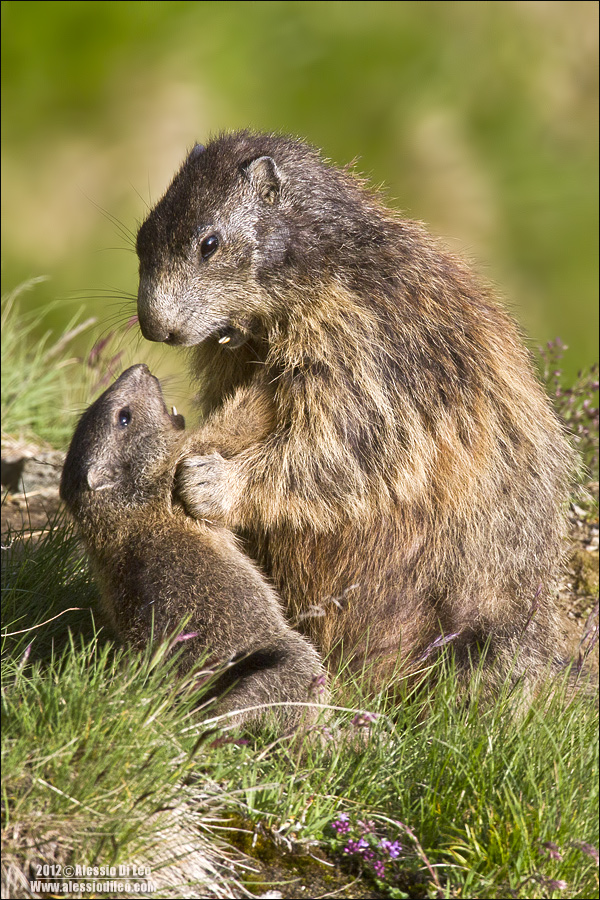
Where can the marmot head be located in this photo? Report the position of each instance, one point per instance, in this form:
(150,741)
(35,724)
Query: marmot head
(246,219)
(121,443)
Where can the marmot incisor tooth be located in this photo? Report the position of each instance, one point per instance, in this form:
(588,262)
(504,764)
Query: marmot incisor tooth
(156,565)
(413,466)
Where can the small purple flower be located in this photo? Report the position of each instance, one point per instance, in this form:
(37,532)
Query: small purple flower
(552,850)
(554,884)
(367,826)
(317,685)
(362,719)
(395,850)
(341,824)
(356,846)
(379,868)
(588,849)
(392,849)
(98,348)
(185,636)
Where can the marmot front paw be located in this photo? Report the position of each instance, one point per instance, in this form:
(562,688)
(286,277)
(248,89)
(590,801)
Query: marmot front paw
(201,485)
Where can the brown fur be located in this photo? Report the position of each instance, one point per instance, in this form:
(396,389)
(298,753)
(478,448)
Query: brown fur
(156,565)
(411,467)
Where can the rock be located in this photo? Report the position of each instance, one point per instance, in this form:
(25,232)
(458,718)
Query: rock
(28,467)
(584,567)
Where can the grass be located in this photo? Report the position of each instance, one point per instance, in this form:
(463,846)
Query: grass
(576,404)
(99,745)
(42,382)
(94,768)
(36,388)
(106,762)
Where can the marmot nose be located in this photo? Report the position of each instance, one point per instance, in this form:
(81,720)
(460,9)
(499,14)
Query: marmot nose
(153,330)
(153,317)
(135,373)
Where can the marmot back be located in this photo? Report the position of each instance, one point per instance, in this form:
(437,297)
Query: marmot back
(157,567)
(412,467)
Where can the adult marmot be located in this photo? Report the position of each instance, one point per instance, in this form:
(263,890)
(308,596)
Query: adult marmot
(413,476)
(156,566)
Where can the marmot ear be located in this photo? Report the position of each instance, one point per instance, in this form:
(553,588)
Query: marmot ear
(196,150)
(100,477)
(264,177)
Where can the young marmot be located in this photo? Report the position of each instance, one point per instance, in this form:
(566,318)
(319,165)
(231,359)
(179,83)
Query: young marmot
(156,566)
(413,479)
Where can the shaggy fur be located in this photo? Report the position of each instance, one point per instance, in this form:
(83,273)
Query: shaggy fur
(156,565)
(412,477)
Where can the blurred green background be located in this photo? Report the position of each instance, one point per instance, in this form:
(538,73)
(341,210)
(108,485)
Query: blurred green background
(480,118)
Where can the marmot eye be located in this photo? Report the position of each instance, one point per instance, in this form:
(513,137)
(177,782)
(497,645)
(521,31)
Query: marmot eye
(124,417)
(208,246)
